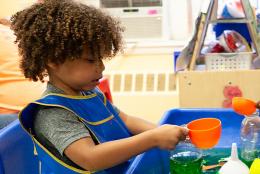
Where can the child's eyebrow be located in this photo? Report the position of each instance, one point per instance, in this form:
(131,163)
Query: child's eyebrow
(89,59)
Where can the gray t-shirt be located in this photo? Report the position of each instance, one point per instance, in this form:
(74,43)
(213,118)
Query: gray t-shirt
(56,128)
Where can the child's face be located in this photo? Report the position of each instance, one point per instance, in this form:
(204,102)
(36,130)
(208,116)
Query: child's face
(77,75)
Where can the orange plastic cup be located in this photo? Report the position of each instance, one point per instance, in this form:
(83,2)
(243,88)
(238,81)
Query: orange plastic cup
(205,133)
(243,106)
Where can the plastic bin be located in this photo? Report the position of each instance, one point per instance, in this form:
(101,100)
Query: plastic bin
(175,57)
(157,161)
(16,149)
(228,61)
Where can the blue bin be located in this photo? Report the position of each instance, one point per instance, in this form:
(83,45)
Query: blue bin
(16,151)
(16,148)
(231,122)
(156,161)
(175,57)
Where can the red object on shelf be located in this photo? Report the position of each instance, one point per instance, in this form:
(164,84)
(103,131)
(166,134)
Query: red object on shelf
(217,49)
(230,92)
(104,87)
(231,41)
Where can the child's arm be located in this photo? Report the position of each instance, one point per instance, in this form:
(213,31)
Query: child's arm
(136,125)
(97,157)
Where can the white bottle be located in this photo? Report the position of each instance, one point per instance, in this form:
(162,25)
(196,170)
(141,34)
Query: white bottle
(234,165)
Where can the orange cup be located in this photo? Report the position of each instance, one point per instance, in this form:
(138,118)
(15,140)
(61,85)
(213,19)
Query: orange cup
(205,133)
(243,106)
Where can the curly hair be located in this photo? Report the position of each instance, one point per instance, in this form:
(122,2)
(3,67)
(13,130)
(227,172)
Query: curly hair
(57,30)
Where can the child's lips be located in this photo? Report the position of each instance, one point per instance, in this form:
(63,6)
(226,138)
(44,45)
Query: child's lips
(97,81)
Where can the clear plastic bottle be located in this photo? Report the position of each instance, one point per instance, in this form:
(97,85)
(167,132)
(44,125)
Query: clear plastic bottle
(186,158)
(250,138)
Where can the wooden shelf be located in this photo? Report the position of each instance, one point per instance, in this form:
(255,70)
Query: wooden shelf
(231,21)
(205,89)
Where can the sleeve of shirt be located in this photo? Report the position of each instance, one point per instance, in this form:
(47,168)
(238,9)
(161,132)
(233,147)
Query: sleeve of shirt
(61,127)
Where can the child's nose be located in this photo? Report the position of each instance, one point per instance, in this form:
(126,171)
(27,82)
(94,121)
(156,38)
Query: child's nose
(100,66)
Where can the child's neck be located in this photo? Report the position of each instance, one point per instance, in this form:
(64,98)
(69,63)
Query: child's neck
(66,89)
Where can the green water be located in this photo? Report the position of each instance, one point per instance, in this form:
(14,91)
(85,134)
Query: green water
(209,157)
(212,157)
(248,157)
(186,162)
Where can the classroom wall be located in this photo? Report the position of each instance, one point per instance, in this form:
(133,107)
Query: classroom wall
(9,7)
(147,105)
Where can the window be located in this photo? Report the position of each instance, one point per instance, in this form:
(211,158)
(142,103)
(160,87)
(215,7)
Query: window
(146,3)
(130,3)
(114,3)
(138,17)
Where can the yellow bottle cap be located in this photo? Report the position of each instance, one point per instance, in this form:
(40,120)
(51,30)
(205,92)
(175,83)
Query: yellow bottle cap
(255,167)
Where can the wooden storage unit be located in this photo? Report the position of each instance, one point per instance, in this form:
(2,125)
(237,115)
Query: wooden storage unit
(204,89)
(215,89)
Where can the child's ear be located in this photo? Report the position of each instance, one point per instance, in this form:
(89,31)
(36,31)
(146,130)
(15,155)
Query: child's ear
(51,65)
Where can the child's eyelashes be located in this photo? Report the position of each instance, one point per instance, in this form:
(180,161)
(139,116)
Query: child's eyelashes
(91,61)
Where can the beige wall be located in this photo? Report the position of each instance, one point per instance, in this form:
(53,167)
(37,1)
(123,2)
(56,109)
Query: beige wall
(9,7)
(146,62)
(149,106)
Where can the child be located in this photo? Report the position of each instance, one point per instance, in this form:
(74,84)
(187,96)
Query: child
(74,127)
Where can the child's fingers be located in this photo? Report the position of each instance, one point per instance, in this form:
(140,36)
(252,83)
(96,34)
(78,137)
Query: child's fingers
(185,130)
(258,104)
(184,133)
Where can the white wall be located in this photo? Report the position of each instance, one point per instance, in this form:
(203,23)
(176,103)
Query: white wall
(177,18)
(180,17)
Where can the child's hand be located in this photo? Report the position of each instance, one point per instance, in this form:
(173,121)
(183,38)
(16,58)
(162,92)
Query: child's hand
(258,105)
(168,136)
